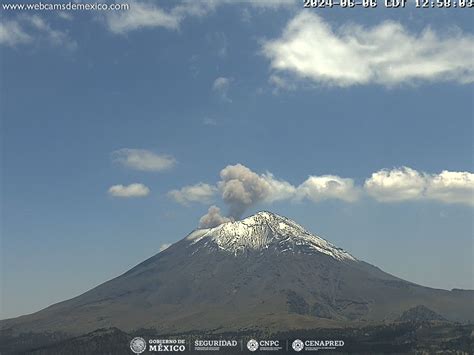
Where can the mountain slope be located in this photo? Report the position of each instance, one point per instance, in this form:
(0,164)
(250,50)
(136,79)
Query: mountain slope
(263,272)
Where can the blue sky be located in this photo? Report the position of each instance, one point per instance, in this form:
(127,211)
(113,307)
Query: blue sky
(120,130)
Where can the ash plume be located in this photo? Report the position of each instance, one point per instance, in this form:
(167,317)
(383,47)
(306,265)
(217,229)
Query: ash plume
(213,218)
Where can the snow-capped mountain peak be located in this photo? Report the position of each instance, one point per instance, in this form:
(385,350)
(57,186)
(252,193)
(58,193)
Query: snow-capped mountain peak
(265,231)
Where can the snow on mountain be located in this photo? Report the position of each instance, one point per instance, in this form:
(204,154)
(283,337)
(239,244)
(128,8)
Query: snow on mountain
(264,272)
(265,230)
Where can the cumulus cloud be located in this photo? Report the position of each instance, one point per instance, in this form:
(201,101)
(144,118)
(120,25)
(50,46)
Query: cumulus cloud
(405,184)
(213,218)
(386,54)
(452,187)
(164,246)
(241,188)
(320,188)
(396,185)
(221,86)
(132,190)
(28,29)
(145,160)
(200,192)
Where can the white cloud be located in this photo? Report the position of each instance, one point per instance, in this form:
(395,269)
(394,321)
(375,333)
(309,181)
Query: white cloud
(200,192)
(408,184)
(145,160)
(386,54)
(278,189)
(164,246)
(213,218)
(221,86)
(141,15)
(396,185)
(29,29)
(146,14)
(221,83)
(132,190)
(241,188)
(320,188)
(452,187)
(12,33)
(56,37)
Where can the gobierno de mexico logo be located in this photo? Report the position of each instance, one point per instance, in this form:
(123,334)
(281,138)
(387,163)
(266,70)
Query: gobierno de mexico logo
(138,345)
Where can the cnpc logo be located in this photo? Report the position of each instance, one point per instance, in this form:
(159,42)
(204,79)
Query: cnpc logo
(254,345)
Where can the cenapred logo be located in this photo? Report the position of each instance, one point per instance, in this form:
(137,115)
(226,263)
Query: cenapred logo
(316,345)
(252,345)
(297,345)
(138,345)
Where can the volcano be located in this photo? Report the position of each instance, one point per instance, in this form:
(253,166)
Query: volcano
(263,272)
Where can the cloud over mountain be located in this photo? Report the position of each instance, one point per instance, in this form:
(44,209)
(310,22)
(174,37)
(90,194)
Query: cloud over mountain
(404,184)
(319,188)
(395,185)
(241,188)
